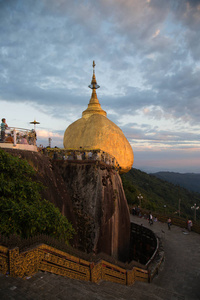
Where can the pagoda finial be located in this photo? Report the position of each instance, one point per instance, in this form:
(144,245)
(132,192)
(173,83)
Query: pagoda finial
(94,66)
(94,106)
(94,85)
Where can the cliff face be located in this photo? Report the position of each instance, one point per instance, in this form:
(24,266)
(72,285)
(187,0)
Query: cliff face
(91,197)
(100,207)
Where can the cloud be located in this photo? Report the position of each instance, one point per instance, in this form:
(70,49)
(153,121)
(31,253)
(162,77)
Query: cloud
(156,33)
(47,134)
(45,137)
(147,64)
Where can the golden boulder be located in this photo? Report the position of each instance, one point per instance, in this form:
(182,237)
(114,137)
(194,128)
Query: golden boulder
(94,131)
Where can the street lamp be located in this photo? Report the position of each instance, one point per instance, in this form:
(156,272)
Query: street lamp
(140,197)
(34,122)
(195,207)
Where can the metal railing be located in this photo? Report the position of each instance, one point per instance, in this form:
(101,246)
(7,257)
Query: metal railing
(14,135)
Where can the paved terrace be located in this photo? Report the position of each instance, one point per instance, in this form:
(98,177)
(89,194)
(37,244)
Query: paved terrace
(178,278)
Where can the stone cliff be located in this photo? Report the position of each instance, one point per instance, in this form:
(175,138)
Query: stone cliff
(91,196)
(100,207)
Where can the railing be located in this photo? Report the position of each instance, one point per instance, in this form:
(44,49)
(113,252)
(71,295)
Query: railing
(175,220)
(66,261)
(147,249)
(82,155)
(14,135)
(47,258)
(180,222)
(144,244)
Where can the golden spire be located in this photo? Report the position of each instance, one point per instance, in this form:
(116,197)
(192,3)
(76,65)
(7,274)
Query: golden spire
(94,106)
(94,85)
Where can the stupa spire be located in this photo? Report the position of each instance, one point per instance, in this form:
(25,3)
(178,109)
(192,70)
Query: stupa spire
(94,86)
(94,106)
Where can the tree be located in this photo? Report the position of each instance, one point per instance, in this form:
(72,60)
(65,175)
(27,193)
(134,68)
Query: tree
(22,211)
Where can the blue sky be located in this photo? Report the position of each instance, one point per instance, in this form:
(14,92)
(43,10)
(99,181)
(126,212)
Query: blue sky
(147,55)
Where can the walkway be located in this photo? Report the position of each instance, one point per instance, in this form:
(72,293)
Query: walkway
(180,272)
(179,277)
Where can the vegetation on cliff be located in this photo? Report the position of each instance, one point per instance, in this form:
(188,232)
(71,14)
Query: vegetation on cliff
(158,195)
(22,210)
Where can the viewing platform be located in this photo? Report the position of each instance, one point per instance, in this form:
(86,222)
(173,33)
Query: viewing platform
(19,138)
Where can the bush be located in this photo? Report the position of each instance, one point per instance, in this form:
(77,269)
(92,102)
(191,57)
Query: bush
(22,211)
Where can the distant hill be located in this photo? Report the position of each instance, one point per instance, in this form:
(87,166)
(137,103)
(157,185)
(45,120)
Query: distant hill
(158,195)
(190,181)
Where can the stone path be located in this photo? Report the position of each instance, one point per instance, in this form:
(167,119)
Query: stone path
(180,272)
(178,278)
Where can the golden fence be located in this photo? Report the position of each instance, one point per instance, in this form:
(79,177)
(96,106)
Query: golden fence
(50,259)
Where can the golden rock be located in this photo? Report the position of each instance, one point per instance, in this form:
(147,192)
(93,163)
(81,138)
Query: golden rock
(95,131)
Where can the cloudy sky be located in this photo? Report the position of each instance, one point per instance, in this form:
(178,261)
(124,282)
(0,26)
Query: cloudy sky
(147,55)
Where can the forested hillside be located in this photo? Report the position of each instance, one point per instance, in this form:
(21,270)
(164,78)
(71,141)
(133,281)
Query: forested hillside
(190,181)
(158,195)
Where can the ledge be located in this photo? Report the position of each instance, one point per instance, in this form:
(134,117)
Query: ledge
(19,147)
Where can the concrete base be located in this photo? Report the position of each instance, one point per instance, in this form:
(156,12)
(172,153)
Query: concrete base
(19,146)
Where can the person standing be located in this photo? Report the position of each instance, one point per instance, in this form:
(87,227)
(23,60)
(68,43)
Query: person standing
(189,225)
(3,128)
(169,222)
(150,219)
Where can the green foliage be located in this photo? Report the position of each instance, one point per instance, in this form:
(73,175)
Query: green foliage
(130,190)
(157,193)
(22,211)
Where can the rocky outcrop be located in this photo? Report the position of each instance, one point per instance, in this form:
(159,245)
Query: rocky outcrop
(91,196)
(100,207)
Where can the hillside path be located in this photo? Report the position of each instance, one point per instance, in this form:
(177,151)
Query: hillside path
(178,278)
(180,272)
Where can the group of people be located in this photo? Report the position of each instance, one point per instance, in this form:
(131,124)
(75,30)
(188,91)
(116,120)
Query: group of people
(151,219)
(28,137)
(136,211)
(189,224)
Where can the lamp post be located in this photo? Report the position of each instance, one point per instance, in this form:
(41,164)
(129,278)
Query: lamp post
(195,207)
(140,197)
(34,122)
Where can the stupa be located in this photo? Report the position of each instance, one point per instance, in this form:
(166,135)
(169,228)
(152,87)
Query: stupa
(95,131)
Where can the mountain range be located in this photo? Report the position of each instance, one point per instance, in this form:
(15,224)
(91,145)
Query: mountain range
(189,181)
(160,195)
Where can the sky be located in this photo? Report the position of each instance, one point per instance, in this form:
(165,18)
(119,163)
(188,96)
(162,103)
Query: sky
(147,55)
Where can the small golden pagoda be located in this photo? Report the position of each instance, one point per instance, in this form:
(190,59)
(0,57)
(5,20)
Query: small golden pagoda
(95,131)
